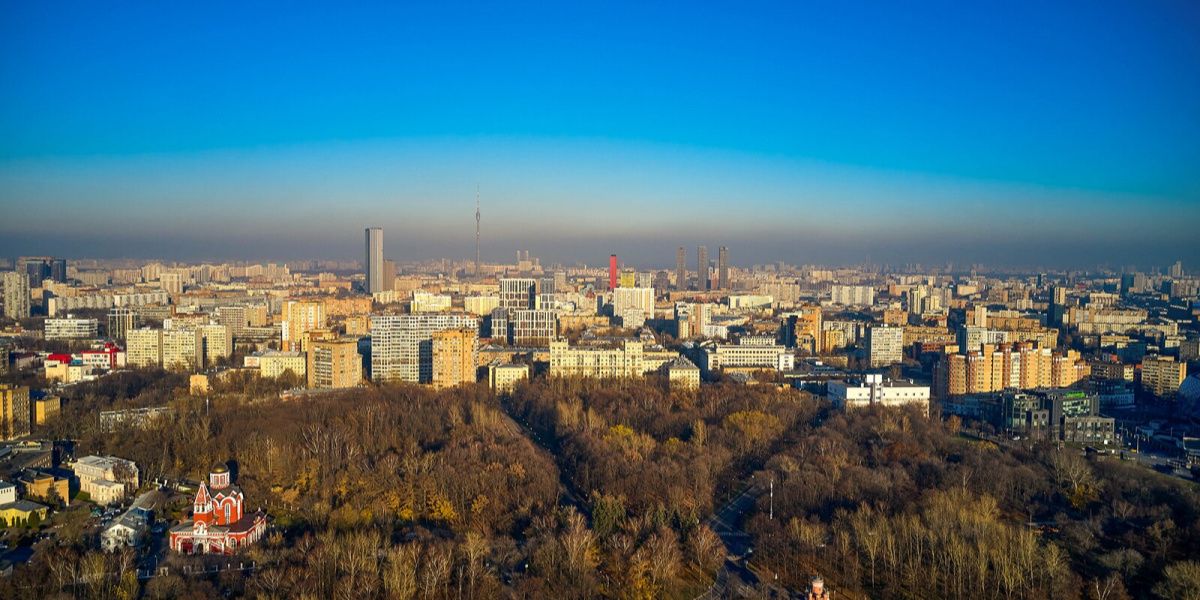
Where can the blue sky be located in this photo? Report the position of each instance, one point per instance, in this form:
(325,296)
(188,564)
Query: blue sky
(1035,133)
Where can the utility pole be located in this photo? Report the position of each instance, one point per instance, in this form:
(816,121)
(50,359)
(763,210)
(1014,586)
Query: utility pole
(772,493)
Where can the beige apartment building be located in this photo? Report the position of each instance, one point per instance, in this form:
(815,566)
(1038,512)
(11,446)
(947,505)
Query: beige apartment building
(598,362)
(334,364)
(275,363)
(300,316)
(14,411)
(1162,375)
(454,353)
(504,377)
(995,368)
(143,347)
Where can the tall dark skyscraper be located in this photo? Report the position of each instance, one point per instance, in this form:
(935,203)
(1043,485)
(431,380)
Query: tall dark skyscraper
(43,268)
(374,262)
(681,268)
(702,268)
(1058,305)
(723,268)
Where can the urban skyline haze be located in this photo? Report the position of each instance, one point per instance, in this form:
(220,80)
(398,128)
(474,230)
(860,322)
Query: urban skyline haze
(1020,134)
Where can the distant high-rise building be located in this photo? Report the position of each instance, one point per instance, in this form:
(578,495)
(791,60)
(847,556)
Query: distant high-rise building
(42,268)
(1176,270)
(179,348)
(171,283)
(1058,305)
(16,295)
(681,268)
(389,274)
(702,268)
(723,268)
(58,269)
(374,238)
(612,272)
(1126,283)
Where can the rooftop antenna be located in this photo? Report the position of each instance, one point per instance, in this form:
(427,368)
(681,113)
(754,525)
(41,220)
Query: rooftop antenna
(477,230)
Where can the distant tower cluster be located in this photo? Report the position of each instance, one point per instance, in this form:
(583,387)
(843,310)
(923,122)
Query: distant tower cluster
(723,268)
(681,268)
(374,259)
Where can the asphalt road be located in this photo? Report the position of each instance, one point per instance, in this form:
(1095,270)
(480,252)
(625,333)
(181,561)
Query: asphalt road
(734,579)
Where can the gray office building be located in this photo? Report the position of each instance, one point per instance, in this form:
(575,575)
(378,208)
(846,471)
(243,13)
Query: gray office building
(374,260)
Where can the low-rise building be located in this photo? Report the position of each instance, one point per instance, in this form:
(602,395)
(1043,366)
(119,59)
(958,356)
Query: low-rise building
(106,479)
(748,355)
(874,390)
(274,363)
(129,530)
(44,486)
(600,362)
(71,328)
(504,377)
(682,374)
(21,512)
(41,409)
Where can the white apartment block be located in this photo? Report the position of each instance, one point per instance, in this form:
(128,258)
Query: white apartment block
(481,305)
(885,345)
(71,329)
(636,298)
(853,295)
(425,302)
(16,294)
(61,304)
(597,362)
(143,347)
(749,356)
(533,327)
(179,348)
(402,345)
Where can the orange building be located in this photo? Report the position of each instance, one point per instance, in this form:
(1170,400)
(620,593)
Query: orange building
(454,357)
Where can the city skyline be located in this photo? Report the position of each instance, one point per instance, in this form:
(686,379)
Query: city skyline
(1017,136)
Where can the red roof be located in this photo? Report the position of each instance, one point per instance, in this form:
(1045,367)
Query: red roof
(59,357)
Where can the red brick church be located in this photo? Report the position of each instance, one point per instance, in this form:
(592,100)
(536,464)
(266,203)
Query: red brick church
(219,524)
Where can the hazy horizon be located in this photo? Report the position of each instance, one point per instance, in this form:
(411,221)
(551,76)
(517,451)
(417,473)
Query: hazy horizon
(1009,135)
